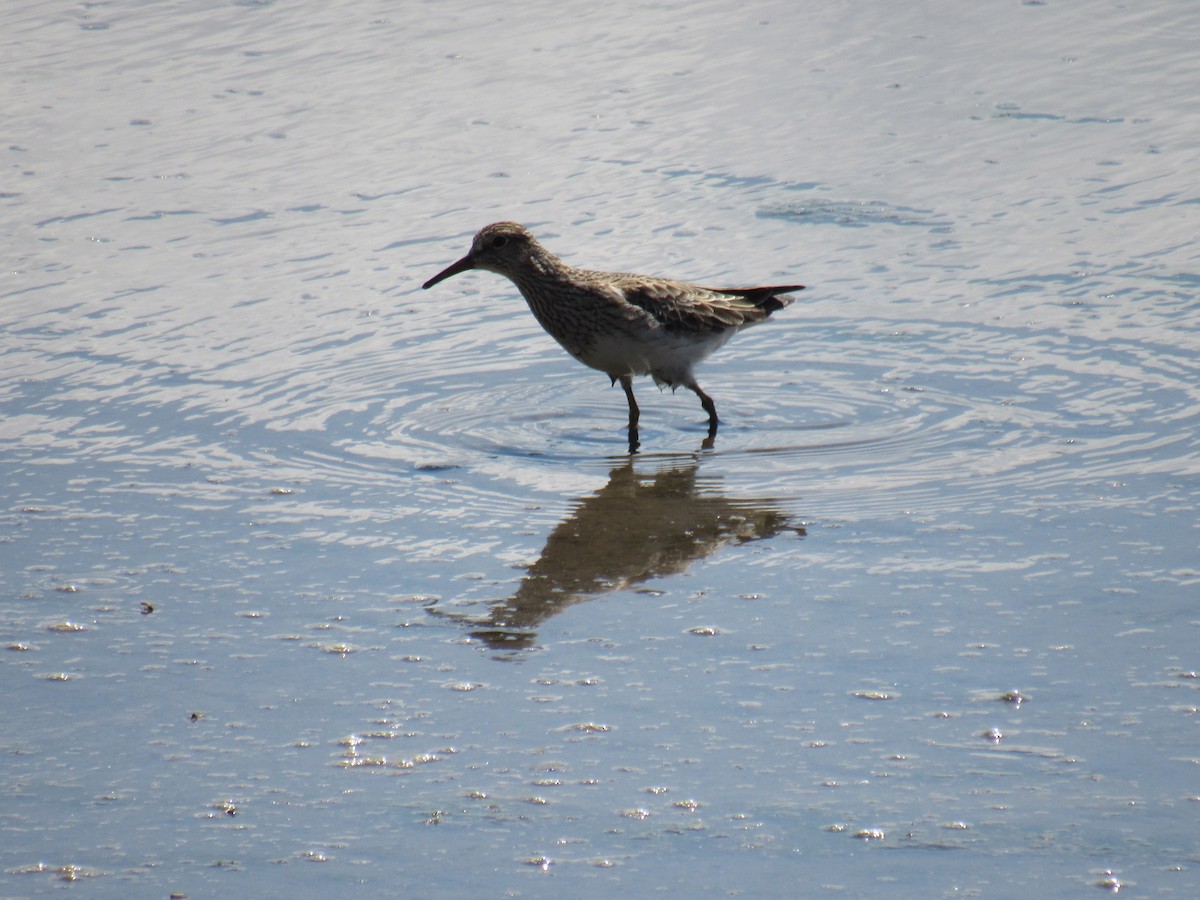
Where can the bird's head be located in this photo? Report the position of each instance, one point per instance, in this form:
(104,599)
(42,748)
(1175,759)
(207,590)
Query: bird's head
(502,247)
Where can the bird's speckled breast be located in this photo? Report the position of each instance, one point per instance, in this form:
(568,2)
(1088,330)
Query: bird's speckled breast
(579,315)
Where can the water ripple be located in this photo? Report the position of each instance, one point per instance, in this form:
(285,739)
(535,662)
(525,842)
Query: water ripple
(867,417)
(853,214)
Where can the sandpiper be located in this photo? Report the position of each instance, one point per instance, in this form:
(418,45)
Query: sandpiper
(622,324)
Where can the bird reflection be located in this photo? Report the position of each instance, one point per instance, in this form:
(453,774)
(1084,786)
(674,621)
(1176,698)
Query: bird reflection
(637,527)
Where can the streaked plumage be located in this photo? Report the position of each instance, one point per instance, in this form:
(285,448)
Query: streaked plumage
(622,324)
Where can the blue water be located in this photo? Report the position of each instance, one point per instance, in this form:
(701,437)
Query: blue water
(312,581)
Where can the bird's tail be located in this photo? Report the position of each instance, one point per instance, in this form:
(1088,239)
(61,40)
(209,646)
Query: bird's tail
(768,299)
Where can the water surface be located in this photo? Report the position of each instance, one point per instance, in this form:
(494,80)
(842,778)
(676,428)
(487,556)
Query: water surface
(311,580)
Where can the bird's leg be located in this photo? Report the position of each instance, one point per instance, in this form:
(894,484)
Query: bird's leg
(627,387)
(627,384)
(709,407)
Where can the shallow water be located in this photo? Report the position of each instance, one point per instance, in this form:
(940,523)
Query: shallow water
(310,579)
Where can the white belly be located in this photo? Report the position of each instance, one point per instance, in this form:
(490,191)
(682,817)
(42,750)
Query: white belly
(669,358)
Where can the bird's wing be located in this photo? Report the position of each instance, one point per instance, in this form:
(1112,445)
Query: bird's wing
(680,306)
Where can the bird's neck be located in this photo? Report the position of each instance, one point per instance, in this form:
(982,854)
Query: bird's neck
(542,268)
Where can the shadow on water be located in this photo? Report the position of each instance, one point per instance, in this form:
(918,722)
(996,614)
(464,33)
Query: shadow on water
(641,525)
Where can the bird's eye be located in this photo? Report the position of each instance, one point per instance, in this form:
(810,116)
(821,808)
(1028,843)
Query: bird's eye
(499,241)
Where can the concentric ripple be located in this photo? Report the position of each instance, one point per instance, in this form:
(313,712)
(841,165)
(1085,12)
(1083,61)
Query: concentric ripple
(841,419)
(868,416)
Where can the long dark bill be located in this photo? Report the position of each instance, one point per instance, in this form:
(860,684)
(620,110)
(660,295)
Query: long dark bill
(463,265)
